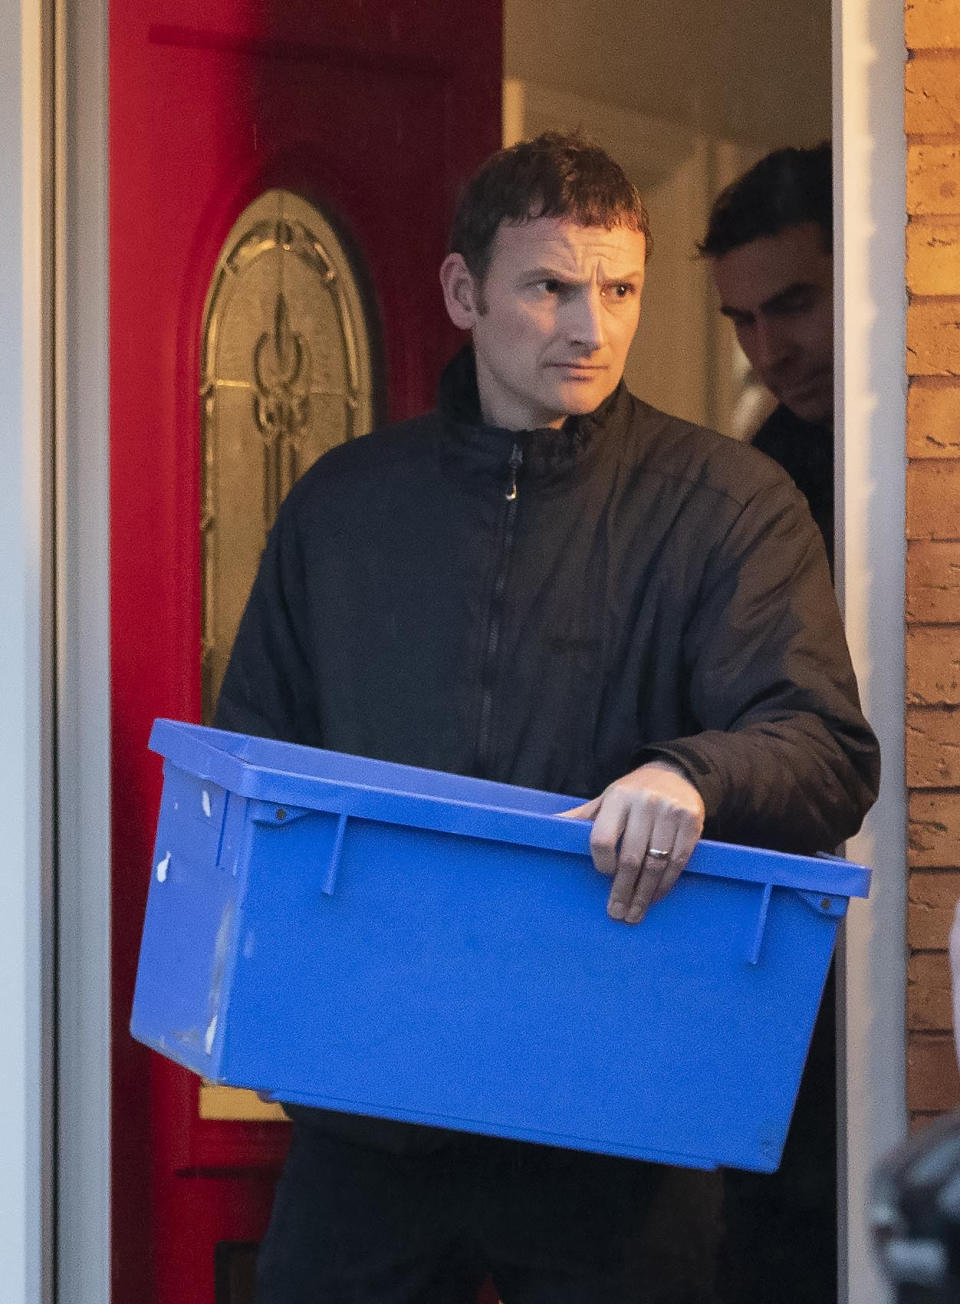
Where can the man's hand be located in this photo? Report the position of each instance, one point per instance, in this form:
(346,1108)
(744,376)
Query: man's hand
(645,827)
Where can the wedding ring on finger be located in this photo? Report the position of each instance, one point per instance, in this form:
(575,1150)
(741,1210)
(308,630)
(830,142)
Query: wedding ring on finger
(656,854)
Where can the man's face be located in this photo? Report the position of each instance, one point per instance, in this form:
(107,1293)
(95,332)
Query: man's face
(552,320)
(778,292)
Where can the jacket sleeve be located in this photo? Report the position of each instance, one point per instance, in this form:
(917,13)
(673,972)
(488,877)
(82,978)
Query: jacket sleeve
(268,689)
(785,758)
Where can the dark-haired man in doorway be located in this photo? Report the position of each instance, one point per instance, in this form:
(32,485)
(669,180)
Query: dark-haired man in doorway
(770,245)
(543,582)
(769,241)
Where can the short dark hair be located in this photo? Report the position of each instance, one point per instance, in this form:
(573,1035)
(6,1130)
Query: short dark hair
(788,187)
(560,174)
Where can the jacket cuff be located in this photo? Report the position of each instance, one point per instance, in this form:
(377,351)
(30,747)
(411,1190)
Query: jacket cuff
(694,769)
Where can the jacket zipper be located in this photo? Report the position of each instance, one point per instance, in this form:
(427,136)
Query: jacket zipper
(495,621)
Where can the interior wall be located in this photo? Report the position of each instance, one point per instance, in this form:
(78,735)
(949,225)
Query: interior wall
(685,102)
(748,70)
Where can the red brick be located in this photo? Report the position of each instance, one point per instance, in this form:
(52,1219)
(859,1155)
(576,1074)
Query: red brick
(933,499)
(931,901)
(932,24)
(933,256)
(933,1082)
(929,996)
(933,179)
(933,418)
(933,338)
(933,747)
(933,581)
(932,95)
(933,665)
(934,835)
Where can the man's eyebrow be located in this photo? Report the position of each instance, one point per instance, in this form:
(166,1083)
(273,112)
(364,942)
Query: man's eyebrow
(544,273)
(788,292)
(774,302)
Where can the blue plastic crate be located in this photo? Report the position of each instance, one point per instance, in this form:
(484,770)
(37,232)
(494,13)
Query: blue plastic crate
(422,946)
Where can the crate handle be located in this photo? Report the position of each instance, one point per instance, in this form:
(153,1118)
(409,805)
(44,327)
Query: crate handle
(333,865)
(754,956)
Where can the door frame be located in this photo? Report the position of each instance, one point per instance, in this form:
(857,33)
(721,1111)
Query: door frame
(870,304)
(868,100)
(26,659)
(79,38)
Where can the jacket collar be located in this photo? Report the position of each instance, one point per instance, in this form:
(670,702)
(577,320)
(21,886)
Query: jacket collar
(547,453)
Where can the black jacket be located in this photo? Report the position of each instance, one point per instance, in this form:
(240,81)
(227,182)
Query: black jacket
(550,608)
(805,451)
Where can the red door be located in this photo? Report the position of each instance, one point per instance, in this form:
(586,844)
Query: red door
(374,110)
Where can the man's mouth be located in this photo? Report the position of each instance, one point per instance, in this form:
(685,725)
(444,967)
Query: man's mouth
(803,387)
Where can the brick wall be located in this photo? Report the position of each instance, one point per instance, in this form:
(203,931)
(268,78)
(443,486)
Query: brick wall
(933,547)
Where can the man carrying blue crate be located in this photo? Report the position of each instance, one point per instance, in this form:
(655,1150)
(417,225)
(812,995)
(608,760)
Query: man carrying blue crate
(543,582)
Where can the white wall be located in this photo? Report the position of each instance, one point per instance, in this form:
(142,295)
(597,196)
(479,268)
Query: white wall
(25,914)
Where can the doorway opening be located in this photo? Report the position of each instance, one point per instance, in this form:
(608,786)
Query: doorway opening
(687,97)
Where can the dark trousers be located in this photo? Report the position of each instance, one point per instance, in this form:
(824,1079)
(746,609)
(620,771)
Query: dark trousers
(781,1229)
(357,1225)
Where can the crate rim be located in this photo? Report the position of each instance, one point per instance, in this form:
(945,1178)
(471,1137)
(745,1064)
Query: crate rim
(199,750)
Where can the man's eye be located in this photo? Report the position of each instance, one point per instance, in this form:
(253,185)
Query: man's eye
(551,286)
(789,309)
(620,290)
(795,303)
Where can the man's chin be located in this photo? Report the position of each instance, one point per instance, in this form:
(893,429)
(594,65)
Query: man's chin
(814,406)
(579,400)
(815,414)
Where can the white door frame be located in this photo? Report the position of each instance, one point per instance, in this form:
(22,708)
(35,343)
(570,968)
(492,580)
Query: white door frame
(870,169)
(83,656)
(26,721)
(868,99)
(54,654)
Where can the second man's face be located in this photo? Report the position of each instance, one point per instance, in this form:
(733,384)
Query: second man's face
(553,319)
(778,292)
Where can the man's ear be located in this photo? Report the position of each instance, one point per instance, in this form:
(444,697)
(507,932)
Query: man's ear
(460,291)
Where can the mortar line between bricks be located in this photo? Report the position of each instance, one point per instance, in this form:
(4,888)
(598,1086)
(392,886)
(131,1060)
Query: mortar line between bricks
(919,221)
(933,53)
(936,382)
(933,138)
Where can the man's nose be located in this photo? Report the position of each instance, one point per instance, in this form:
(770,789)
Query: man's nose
(772,345)
(585,325)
